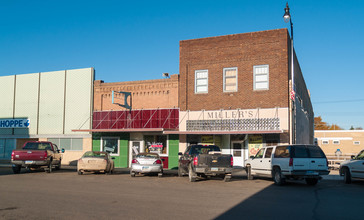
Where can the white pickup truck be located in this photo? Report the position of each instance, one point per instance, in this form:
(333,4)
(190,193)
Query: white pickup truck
(288,162)
(354,168)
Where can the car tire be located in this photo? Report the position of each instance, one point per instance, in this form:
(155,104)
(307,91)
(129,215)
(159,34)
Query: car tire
(249,172)
(180,173)
(311,181)
(16,169)
(191,174)
(277,177)
(347,175)
(58,167)
(49,170)
(79,172)
(227,177)
(132,174)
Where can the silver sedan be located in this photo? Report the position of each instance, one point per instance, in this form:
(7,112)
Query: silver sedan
(146,163)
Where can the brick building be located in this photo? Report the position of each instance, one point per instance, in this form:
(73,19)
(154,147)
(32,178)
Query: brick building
(154,108)
(234,92)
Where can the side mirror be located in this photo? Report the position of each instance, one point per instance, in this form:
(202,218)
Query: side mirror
(352,157)
(63,150)
(180,154)
(163,160)
(251,157)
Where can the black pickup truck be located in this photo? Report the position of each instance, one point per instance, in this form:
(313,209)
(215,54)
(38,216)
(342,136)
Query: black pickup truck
(203,161)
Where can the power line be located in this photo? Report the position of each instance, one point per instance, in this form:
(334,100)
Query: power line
(339,101)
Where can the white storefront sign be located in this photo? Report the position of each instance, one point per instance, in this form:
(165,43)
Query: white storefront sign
(14,123)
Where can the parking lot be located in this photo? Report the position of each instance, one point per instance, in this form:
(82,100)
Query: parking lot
(66,195)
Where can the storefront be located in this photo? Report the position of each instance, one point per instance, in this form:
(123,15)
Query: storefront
(240,133)
(126,133)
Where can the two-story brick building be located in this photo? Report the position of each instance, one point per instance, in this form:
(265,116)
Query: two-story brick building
(234,92)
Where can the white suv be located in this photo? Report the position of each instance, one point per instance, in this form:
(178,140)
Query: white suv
(288,162)
(353,168)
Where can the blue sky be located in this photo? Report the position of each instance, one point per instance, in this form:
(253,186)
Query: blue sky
(137,40)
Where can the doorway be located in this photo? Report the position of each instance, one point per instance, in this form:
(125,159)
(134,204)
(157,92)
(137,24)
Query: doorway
(239,152)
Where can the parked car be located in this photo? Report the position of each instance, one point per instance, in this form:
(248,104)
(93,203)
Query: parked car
(203,161)
(144,163)
(35,155)
(95,161)
(294,162)
(354,168)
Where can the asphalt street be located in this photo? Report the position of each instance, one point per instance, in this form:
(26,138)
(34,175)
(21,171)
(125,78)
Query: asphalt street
(65,195)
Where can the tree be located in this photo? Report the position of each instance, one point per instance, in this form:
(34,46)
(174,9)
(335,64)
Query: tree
(320,125)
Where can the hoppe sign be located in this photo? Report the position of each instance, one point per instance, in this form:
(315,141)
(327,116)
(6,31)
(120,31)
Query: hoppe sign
(15,123)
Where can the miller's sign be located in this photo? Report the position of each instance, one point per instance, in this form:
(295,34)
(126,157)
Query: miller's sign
(229,114)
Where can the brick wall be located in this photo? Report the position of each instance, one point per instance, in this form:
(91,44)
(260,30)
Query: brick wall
(242,51)
(146,94)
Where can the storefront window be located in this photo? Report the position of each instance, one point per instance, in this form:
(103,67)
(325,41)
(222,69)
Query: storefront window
(110,145)
(155,144)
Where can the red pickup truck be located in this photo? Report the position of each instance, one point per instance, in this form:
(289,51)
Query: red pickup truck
(37,154)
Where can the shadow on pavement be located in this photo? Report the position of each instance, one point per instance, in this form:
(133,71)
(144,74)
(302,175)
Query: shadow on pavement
(329,199)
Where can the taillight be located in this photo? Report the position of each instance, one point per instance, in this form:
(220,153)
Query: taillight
(45,155)
(12,155)
(134,161)
(195,161)
(291,162)
(231,161)
(158,162)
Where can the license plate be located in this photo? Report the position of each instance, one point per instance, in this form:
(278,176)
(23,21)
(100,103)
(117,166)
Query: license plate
(214,169)
(145,168)
(312,172)
(28,162)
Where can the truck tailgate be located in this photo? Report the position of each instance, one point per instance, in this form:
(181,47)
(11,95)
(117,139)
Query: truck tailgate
(29,155)
(214,160)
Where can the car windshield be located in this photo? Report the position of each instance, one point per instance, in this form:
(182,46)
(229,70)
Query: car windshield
(360,156)
(147,156)
(95,154)
(200,149)
(37,146)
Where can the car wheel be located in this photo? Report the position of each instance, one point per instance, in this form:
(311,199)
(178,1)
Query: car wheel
(132,174)
(277,177)
(16,169)
(79,172)
(347,175)
(49,170)
(191,175)
(227,177)
(58,167)
(180,173)
(248,170)
(311,181)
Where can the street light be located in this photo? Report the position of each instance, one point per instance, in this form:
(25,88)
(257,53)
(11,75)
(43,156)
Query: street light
(287,17)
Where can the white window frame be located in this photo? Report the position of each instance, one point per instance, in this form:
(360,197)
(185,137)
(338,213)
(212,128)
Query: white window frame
(325,141)
(102,141)
(224,77)
(207,81)
(336,142)
(255,74)
(356,142)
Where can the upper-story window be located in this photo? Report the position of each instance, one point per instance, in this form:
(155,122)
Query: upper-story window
(201,81)
(231,79)
(261,77)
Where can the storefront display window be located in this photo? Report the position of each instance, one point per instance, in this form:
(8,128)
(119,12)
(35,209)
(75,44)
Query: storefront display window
(156,144)
(255,143)
(111,145)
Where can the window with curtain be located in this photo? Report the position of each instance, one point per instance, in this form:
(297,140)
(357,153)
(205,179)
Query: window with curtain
(231,79)
(201,81)
(261,77)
